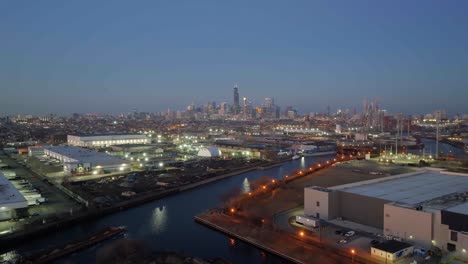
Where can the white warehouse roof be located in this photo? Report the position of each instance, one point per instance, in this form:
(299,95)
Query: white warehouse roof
(10,197)
(83,155)
(413,189)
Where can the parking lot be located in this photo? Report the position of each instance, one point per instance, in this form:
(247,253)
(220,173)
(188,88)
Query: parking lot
(56,204)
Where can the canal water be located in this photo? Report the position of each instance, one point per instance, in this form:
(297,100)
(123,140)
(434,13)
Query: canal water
(168,223)
(444,149)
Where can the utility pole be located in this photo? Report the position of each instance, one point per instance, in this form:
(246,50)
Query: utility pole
(409,123)
(437,140)
(396,137)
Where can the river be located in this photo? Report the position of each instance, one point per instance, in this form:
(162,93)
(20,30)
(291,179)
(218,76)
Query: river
(444,149)
(168,223)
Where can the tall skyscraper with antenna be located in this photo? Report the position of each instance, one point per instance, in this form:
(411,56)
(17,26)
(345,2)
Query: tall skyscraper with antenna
(236,105)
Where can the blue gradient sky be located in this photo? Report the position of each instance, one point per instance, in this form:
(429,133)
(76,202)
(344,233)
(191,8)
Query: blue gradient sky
(113,56)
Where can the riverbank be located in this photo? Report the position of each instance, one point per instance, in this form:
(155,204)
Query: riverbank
(201,220)
(11,240)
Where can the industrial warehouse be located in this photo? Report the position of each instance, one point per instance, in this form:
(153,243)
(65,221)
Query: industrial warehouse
(11,199)
(106,140)
(82,161)
(426,208)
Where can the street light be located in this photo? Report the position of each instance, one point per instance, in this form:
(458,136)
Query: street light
(353,252)
(301,233)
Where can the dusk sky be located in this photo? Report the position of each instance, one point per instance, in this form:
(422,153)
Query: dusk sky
(113,56)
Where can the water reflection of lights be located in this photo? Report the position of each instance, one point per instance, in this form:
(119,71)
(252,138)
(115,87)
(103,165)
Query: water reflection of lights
(246,186)
(303,163)
(159,219)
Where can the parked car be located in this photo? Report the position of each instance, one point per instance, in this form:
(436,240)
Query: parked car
(350,234)
(343,241)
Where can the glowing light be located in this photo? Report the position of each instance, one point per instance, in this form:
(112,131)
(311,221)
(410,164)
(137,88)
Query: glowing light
(301,233)
(232,210)
(353,251)
(264,187)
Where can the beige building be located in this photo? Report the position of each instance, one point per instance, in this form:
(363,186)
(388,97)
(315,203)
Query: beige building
(105,140)
(391,250)
(425,208)
(81,161)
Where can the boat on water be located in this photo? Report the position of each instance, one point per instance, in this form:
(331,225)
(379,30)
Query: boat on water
(295,157)
(50,255)
(319,151)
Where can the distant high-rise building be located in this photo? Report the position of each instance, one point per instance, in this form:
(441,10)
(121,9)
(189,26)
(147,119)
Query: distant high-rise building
(236,106)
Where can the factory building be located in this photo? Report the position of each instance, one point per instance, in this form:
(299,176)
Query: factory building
(426,208)
(11,200)
(84,161)
(105,140)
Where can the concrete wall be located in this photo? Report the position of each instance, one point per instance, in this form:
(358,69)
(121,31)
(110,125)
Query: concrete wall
(442,237)
(326,201)
(361,209)
(441,232)
(409,224)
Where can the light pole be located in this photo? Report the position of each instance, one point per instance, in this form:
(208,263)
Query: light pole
(353,252)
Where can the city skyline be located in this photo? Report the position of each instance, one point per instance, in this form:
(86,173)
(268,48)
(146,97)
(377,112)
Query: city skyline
(92,57)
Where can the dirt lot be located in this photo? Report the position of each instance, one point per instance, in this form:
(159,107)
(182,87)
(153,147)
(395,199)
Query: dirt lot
(266,203)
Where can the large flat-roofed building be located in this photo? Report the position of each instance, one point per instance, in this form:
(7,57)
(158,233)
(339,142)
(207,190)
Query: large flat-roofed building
(78,160)
(10,199)
(427,207)
(104,140)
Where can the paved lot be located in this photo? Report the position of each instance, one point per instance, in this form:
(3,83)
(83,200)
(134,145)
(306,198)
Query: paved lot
(58,204)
